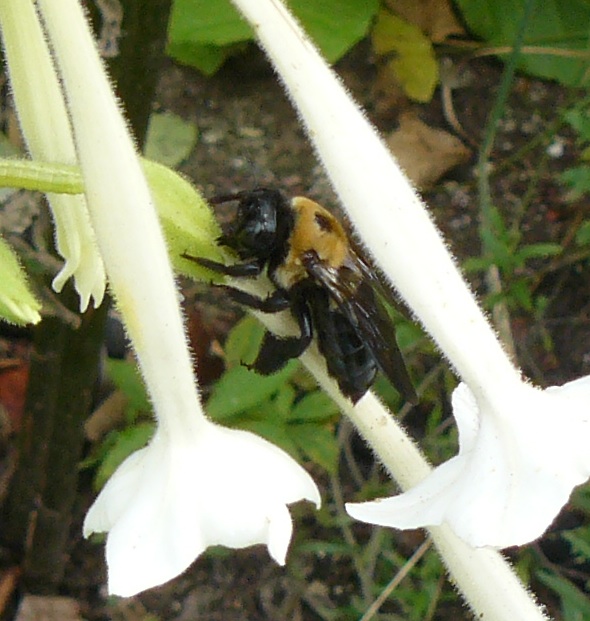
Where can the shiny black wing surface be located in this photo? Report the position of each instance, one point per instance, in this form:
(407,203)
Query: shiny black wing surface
(353,288)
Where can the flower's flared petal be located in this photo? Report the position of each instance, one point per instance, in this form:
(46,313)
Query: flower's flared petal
(115,496)
(426,503)
(513,474)
(280,529)
(263,479)
(170,501)
(263,461)
(151,517)
(76,243)
(466,415)
(429,502)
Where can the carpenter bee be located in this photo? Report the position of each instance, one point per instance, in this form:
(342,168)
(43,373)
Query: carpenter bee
(316,274)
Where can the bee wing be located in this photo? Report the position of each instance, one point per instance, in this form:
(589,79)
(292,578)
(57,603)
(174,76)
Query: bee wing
(352,287)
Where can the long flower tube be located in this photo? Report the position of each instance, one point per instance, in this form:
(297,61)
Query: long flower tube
(480,574)
(46,129)
(195,484)
(523,449)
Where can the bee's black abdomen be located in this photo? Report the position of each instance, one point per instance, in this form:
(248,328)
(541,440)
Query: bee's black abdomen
(349,361)
(348,358)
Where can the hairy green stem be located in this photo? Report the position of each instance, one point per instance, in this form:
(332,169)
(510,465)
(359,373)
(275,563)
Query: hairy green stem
(40,176)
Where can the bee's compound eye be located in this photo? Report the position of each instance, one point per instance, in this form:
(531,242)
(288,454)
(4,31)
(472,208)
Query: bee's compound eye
(254,230)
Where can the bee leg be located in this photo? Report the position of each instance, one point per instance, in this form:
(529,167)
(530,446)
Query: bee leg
(250,269)
(276,351)
(274,303)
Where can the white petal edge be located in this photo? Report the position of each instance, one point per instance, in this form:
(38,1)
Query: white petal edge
(509,482)
(170,501)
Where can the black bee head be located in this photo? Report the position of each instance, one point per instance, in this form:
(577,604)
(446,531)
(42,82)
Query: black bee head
(262,224)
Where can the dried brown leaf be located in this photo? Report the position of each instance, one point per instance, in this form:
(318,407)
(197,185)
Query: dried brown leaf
(425,153)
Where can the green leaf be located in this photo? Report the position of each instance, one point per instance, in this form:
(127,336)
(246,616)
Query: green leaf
(575,604)
(243,342)
(577,179)
(283,403)
(240,389)
(581,499)
(123,444)
(477,264)
(561,24)
(414,66)
(315,406)
(579,120)
(408,334)
(583,234)
(540,250)
(208,59)
(197,29)
(215,22)
(170,139)
(17,303)
(187,220)
(335,25)
(318,443)
(579,539)
(519,290)
(126,377)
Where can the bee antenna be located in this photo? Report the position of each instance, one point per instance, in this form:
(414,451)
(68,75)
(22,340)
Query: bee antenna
(226,198)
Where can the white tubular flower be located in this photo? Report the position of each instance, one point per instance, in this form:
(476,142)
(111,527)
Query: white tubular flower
(504,488)
(46,128)
(506,415)
(196,484)
(185,492)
